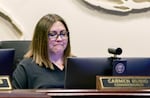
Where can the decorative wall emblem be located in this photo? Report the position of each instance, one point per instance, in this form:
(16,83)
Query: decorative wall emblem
(122,6)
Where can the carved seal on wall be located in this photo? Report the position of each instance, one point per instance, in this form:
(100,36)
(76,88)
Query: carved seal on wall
(123,6)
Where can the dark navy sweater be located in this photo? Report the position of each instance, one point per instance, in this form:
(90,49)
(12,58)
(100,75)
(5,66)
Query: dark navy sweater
(29,75)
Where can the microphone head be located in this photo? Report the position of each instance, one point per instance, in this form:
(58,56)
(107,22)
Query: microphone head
(117,51)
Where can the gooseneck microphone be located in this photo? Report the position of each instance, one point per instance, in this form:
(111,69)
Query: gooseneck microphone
(116,51)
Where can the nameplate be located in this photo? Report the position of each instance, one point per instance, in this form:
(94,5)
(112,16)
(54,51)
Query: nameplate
(5,83)
(123,82)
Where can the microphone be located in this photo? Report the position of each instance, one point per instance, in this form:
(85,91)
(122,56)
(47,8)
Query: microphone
(116,51)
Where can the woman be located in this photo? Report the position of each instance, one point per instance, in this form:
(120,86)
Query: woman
(43,65)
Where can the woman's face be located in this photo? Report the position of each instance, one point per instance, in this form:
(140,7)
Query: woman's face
(58,38)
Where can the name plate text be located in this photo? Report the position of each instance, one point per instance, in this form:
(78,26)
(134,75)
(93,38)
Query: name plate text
(123,82)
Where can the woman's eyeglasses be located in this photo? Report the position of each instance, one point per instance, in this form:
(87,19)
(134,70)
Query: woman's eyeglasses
(53,35)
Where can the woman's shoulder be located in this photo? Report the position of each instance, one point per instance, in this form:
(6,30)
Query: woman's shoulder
(24,64)
(26,61)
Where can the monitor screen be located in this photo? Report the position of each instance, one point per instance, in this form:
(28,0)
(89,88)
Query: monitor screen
(135,66)
(6,61)
(81,71)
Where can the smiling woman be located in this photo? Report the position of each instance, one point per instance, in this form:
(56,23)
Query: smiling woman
(9,29)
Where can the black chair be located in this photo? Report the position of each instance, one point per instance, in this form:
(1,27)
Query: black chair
(20,46)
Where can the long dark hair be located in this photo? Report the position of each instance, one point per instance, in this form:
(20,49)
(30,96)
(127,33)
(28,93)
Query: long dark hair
(39,45)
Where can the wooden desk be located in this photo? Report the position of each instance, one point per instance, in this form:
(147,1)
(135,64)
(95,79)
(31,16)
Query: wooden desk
(22,94)
(97,93)
(75,93)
